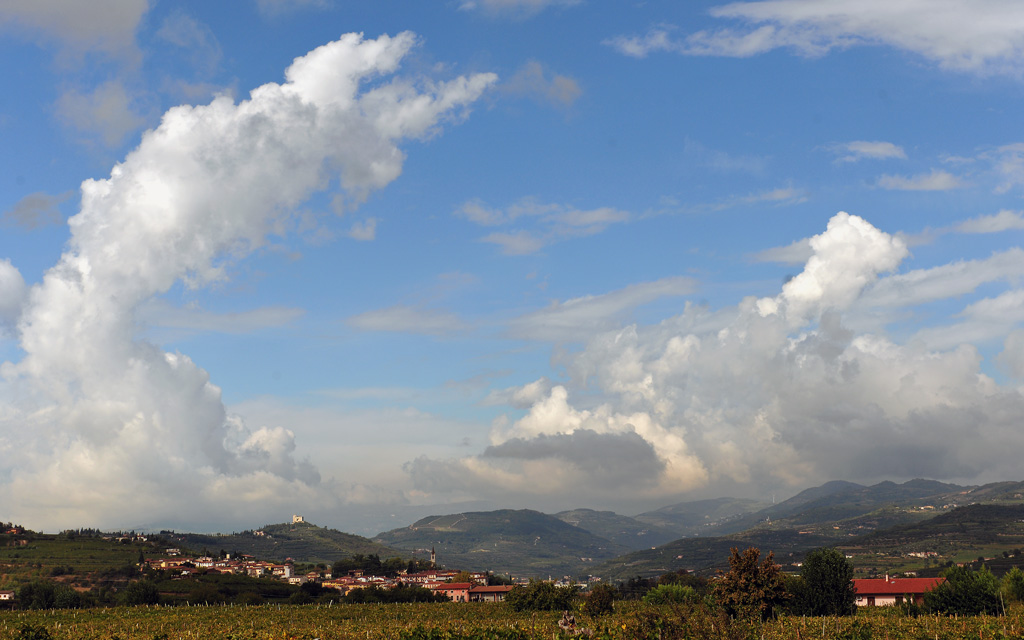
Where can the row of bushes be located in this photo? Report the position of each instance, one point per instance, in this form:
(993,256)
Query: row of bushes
(757,589)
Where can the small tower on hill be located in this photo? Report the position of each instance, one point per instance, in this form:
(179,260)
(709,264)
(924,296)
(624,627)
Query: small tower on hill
(433,557)
(297,519)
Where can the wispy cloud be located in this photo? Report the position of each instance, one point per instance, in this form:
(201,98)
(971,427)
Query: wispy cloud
(1005,220)
(937,180)
(408,319)
(105,25)
(159,313)
(106,112)
(865,149)
(985,36)
(35,210)
(194,37)
(577,318)
(271,8)
(986,320)
(945,281)
(722,161)
(534,80)
(797,252)
(549,223)
(519,8)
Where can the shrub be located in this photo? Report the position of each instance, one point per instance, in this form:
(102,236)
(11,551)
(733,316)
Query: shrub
(600,600)
(30,632)
(671,593)
(422,633)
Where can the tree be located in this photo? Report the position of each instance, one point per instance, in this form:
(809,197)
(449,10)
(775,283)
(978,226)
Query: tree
(462,576)
(1013,585)
(541,596)
(828,583)
(751,589)
(140,592)
(965,593)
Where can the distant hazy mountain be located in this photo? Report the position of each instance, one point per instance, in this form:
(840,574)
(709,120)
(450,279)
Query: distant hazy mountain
(700,517)
(628,532)
(839,500)
(887,517)
(520,542)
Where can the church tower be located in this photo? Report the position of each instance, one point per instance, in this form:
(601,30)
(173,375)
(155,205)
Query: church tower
(433,557)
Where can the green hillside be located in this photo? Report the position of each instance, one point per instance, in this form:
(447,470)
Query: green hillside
(880,541)
(73,558)
(302,542)
(960,535)
(705,555)
(853,507)
(523,543)
(623,530)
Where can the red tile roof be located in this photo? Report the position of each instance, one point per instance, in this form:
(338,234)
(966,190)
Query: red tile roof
(895,586)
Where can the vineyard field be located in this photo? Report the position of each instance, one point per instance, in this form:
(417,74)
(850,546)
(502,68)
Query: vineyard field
(459,621)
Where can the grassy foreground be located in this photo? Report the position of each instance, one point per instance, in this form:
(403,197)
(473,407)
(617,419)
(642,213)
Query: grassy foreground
(631,620)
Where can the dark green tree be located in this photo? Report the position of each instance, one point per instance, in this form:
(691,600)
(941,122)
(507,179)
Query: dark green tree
(828,583)
(541,596)
(751,589)
(139,592)
(965,593)
(37,595)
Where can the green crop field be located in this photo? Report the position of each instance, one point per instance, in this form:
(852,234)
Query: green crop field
(476,621)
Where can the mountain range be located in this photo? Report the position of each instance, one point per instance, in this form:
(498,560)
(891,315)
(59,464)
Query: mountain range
(918,526)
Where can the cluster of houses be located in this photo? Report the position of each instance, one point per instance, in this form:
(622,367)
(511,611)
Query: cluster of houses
(438,580)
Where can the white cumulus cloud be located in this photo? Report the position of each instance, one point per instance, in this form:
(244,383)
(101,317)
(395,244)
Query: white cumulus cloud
(102,425)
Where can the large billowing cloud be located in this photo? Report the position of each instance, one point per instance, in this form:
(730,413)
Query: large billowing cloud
(99,426)
(774,392)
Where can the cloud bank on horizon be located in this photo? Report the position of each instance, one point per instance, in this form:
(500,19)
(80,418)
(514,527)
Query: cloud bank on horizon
(776,246)
(774,391)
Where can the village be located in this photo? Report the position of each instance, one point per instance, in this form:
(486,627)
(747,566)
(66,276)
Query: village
(442,581)
(438,580)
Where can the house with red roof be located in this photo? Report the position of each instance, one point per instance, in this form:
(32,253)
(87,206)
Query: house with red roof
(456,591)
(872,592)
(495,593)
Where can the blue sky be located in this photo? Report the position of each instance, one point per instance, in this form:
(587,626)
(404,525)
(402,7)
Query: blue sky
(350,259)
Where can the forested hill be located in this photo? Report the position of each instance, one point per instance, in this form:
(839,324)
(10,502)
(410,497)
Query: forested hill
(301,541)
(520,542)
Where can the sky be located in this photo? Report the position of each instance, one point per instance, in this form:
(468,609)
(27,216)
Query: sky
(363,261)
